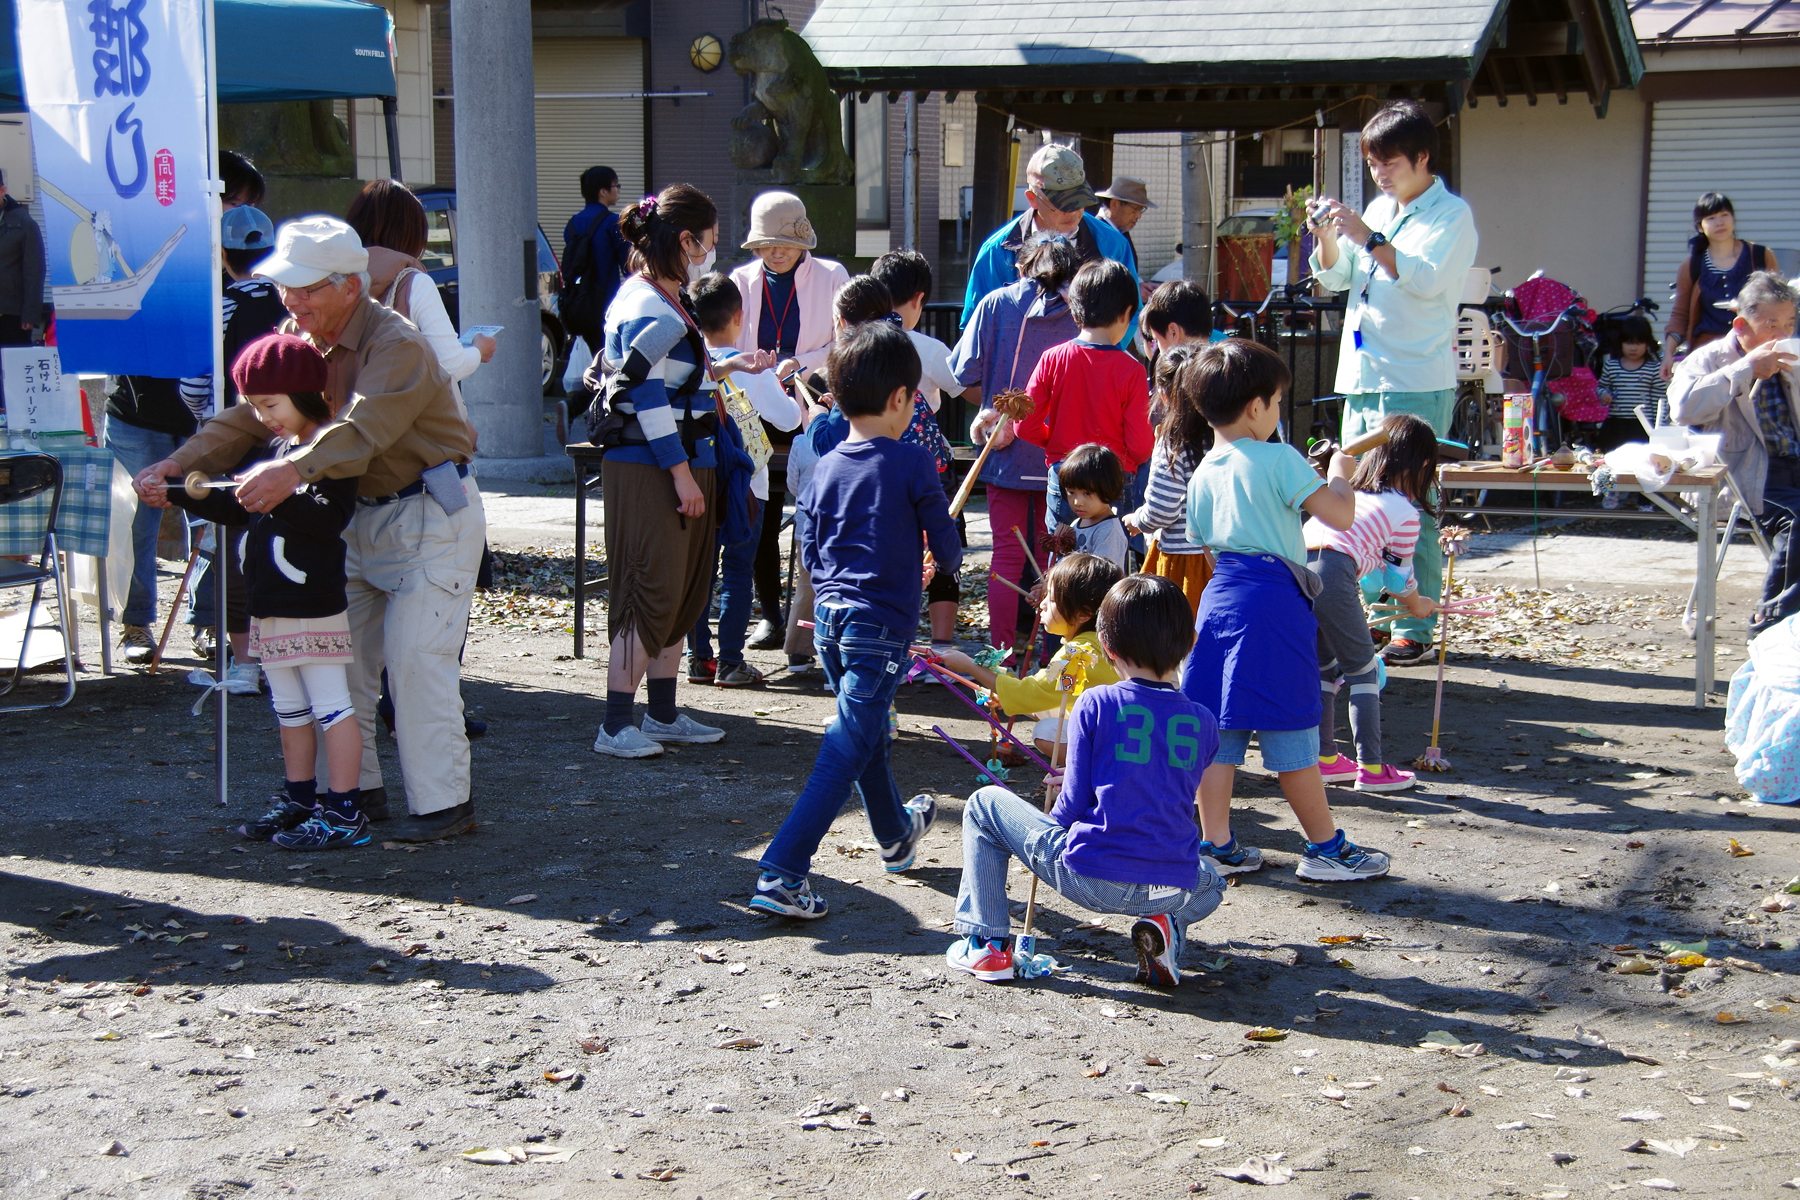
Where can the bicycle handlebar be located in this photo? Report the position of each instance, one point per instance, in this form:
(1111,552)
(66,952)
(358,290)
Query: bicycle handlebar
(1548,329)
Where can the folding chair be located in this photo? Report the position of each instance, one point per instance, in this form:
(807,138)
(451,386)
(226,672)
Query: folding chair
(22,477)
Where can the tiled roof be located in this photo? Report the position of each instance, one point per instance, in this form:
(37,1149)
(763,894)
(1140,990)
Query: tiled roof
(1679,20)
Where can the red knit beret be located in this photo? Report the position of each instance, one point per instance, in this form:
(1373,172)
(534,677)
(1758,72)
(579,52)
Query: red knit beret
(278,364)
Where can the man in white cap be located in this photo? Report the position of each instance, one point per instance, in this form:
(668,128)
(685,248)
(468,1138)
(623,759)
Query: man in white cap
(415,542)
(1056,197)
(1125,201)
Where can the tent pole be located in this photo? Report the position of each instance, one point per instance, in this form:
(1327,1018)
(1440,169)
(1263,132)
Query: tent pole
(909,177)
(390,112)
(214,211)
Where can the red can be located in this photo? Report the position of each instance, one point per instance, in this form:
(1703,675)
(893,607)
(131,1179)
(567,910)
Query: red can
(165,178)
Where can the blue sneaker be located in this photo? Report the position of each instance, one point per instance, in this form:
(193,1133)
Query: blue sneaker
(283,815)
(899,855)
(324,831)
(788,900)
(1233,858)
(1346,861)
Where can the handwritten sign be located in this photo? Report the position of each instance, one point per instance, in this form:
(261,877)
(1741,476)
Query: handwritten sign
(40,400)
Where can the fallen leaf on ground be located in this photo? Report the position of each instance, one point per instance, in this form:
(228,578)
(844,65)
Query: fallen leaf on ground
(1341,939)
(742,1043)
(1641,1114)
(1488,1090)
(115,1150)
(1257,1169)
(1588,1037)
(1739,1103)
(1511,1125)
(487,1157)
(1164,1098)
(1213,1143)
(1096,1071)
(527,898)
(962,1156)
(1660,1185)
(590,1046)
(1680,1149)
(1150,1060)
(1726,1018)
(558,1076)
(1736,1135)
(1440,1038)
(1265,1033)
(1737,849)
(667,1175)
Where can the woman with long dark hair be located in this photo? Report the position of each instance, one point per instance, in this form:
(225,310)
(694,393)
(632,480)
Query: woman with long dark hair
(657,426)
(1716,269)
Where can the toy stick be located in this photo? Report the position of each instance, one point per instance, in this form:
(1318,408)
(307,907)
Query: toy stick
(1433,759)
(1025,945)
(968,485)
(1001,579)
(957,746)
(984,715)
(162,643)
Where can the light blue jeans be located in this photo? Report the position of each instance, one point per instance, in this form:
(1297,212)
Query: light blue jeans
(136,449)
(998,827)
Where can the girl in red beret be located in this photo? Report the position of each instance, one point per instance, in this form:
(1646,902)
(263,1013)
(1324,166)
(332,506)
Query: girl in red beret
(293,563)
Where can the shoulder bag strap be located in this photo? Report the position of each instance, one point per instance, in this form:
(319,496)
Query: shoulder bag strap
(396,297)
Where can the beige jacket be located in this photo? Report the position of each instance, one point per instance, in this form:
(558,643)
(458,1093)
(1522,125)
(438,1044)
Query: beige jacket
(1715,389)
(816,282)
(396,418)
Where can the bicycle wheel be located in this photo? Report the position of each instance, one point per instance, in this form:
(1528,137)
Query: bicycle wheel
(1468,420)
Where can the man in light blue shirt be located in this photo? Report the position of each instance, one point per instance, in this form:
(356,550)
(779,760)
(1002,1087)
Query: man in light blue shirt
(1403,263)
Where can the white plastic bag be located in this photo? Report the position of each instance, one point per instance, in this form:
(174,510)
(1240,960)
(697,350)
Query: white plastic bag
(579,358)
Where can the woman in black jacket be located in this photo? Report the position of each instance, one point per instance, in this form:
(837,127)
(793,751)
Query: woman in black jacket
(293,563)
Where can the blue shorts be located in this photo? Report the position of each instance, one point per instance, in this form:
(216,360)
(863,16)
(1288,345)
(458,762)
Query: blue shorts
(1282,750)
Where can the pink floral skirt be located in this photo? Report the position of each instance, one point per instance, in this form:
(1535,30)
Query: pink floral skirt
(300,641)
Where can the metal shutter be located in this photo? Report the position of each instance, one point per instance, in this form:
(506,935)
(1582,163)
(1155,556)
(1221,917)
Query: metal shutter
(573,135)
(1748,149)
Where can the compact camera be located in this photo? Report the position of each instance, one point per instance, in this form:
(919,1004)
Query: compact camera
(1317,211)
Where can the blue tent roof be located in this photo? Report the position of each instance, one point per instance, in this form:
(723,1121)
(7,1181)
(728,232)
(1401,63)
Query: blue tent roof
(272,50)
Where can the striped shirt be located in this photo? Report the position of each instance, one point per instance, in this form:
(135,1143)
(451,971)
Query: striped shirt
(252,308)
(1386,530)
(1629,388)
(647,337)
(1164,512)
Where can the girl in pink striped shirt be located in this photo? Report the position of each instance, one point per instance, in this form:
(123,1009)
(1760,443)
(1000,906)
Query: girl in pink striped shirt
(1392,483)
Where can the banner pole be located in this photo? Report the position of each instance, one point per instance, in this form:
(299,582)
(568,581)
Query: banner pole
(214,210)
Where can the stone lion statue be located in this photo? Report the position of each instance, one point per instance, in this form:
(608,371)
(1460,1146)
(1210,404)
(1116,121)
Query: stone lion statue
(792,124)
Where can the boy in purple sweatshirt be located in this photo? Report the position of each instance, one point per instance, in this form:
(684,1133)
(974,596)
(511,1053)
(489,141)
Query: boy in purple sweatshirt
(1121,837)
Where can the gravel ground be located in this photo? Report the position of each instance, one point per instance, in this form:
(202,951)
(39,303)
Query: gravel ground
(1567,987)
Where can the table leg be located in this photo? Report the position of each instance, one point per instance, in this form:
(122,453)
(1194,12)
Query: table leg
(580,556)
(105,602)
(1705,593)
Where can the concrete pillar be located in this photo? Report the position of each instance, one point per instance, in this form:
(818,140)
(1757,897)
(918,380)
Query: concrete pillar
(1196,209)
(496,219)
(909,175)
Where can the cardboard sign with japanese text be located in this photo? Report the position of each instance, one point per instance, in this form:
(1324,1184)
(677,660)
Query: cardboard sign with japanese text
(40,399)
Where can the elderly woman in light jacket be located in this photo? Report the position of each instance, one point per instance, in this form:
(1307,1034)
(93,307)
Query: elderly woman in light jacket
(787,294)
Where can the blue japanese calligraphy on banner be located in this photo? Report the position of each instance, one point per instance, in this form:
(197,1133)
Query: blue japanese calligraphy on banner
(117,95)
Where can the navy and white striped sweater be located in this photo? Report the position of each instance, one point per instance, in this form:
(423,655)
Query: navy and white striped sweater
(646,333)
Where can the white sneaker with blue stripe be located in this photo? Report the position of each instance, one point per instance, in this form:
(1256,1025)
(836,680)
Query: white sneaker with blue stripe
(898,856)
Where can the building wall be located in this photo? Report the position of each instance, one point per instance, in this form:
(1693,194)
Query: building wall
(413,75)
(1556,189)
(689,140)
(930,160)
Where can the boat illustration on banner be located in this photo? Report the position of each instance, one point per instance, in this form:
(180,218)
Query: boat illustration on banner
(106,288)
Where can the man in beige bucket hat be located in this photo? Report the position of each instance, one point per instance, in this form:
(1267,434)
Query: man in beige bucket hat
(1124,204)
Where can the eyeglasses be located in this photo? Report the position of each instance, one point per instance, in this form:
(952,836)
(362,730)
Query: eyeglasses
(303,291)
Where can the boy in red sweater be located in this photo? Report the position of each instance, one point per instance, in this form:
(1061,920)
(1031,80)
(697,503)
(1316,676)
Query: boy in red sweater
(1091,389)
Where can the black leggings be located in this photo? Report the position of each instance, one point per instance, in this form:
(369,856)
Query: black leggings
(766,571)
(947,585)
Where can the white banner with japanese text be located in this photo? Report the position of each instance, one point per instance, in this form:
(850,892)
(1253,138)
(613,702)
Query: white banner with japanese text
(117,95)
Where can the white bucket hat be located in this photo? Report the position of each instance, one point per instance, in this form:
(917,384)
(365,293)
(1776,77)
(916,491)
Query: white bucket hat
(779,219)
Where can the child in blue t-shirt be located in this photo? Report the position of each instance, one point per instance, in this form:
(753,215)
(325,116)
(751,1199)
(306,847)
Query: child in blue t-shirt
(1255,657)
(1121,836)
(868,513)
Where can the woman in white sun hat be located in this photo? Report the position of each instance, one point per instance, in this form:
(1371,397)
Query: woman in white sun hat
(787,294)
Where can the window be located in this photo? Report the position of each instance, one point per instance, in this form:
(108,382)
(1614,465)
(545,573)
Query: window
(870,149)
(439,251)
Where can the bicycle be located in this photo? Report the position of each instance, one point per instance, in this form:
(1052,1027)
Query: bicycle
(1547,433)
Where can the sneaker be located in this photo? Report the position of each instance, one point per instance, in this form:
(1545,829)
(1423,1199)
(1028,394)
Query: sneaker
(766,636)
(325,831)
(684,731)
(800,666)
(1341,772)
(1350,861)
(284,814)
(702,670)
(627,743)
(774,896)
(206,643)
(1241,859)
(737,675)
(1157,948)
(1389,779)
(1610,501)
(243,679)
(1404,652)
(444,823)
(986,959)
(373,802)
(899,855)
(136,643)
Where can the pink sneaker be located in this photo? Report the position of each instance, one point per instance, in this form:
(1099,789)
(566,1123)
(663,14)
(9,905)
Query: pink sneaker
(1389,779)
(1340,773)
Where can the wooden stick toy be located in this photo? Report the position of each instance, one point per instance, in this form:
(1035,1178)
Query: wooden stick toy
(1433,759)
(1071,682)
(1011,403)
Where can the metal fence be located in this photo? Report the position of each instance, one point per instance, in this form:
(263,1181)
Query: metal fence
(1306,331)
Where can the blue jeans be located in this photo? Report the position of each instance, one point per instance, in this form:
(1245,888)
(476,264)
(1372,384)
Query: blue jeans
(1056,509)
(136,449)
(1781,509)
(998,826)
(865,661)
(734,566)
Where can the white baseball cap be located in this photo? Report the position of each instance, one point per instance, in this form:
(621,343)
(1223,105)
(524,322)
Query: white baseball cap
(308,249)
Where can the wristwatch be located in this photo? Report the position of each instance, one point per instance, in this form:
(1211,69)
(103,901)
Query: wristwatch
(1375,239)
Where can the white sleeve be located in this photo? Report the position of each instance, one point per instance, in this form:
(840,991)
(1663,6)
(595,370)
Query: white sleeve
(427,309)
(771,403)
(937,379)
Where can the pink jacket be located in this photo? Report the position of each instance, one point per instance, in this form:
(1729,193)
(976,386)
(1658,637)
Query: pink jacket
(816,281)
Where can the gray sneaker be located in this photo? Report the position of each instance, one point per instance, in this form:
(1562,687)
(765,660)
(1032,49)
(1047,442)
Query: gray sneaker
(244,679)
(685,730)
(627,743)
(1240,860)
(137,644)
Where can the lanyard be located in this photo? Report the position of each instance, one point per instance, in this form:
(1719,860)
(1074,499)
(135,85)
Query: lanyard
(769,307)
(1375,266)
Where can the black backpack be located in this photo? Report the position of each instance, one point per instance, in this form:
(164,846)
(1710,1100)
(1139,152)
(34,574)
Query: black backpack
(580,303)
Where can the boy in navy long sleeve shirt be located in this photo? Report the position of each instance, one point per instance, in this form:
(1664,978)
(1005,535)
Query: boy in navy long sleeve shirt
(1121,837)
(867,514)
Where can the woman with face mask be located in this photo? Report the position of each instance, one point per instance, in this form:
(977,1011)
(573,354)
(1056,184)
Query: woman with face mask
(787,292)
(658,427)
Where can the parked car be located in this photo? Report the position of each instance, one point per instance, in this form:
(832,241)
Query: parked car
(440,259)
(1251,220)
